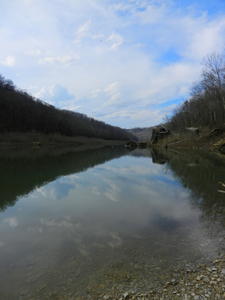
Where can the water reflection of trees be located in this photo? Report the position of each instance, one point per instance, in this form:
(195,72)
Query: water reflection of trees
(19,176)
(202,173)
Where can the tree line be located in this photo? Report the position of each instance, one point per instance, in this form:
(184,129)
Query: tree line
(21,112)
(206,106)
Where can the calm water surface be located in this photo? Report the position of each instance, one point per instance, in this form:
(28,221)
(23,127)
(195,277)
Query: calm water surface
(83,223)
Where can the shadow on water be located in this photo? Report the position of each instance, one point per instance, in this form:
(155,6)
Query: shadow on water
(21,175)
(200,172)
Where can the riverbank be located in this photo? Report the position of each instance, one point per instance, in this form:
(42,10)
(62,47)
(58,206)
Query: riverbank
(203,281)
(210,140)
(19,144)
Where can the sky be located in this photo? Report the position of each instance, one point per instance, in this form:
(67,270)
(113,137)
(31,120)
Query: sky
(126,62)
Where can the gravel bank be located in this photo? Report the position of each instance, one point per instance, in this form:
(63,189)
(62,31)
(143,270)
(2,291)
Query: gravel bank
(200,283)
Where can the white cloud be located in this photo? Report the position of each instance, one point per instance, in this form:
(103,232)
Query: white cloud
(209,38)
(153,13)
(82,31)
(119,59)
(8,61)
(115,41)
(34,52)
(112,92)
(66,59)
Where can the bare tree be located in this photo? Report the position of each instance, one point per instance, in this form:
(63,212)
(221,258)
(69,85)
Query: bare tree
(206,107)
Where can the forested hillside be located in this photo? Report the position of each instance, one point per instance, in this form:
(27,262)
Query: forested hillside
(20,112)
(206,107)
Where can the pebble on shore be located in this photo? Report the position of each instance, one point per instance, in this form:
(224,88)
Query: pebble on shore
(202,283)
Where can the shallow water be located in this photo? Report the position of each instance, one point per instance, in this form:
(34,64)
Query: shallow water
(84,223)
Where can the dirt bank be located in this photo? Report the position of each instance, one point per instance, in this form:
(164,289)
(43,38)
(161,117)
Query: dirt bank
(210,140)
(21,144)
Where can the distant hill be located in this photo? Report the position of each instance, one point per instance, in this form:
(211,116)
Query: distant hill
(142,134)
(20,112)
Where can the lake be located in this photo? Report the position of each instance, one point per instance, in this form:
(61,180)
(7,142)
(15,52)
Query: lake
(79,224)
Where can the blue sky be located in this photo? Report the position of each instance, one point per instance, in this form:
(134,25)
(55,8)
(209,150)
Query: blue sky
(126,62)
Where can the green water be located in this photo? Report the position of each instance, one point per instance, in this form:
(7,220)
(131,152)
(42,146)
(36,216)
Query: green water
(84,223)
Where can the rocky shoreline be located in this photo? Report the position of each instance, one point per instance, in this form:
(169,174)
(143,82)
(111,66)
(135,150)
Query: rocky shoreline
(205,281)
